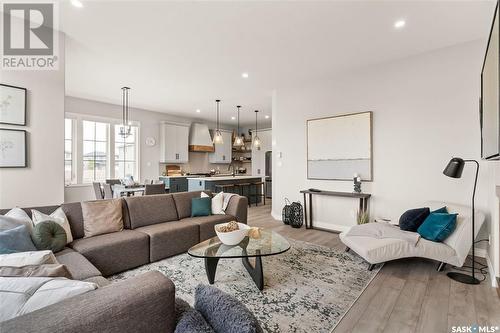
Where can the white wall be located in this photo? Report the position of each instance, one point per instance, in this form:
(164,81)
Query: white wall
(425,110)
(259,155)
(42,182)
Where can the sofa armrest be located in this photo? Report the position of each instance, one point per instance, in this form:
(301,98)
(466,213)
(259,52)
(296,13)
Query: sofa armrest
(145,303)
(238,207)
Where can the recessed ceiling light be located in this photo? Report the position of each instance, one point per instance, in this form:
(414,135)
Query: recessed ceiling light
(267,117)
(198,110)
(233,118)
(77,3)
(244,75)
(399,24)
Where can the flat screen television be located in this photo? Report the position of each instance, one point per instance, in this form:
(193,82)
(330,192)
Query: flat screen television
(490,95)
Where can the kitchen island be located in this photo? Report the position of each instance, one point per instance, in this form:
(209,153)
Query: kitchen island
(209,183)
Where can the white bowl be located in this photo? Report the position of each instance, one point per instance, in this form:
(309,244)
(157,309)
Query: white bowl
(232,237)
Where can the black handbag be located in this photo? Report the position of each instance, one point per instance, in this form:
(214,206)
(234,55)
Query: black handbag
(292,214)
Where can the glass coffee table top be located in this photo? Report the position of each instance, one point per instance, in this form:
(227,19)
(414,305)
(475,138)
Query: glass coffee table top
(265,244)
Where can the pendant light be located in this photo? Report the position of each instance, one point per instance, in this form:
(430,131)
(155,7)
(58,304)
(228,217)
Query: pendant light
(238,141)
(256,139)
(218,135)
(125,128)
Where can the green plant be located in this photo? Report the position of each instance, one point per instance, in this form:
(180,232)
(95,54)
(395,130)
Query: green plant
(362,217)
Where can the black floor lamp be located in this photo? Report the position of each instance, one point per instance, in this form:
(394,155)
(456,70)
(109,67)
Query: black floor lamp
(454,169)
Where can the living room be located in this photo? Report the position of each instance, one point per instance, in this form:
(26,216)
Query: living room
(247,166)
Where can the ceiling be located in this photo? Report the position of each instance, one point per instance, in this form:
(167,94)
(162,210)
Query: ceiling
(181,56)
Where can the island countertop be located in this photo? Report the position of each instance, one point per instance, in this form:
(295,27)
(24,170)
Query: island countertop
(215,178)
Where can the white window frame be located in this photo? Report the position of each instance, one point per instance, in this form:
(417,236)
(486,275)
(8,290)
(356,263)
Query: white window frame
(77,138)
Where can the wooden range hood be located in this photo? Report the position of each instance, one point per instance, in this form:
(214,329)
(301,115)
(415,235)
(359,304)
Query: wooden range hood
(200,139)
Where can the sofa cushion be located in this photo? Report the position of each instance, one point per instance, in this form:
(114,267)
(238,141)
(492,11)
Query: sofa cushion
(147,210)
(201,207)
(99,280)
(207,224)
(43,209)
(49,235)
(170,238)
(14,218)
(115,252)
(183,202)
(102,217)
(17,239)
(57,216)
(73,212)
(413,218)
(79,266)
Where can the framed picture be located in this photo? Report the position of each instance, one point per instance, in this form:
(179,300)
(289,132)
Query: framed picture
(13,150)
(12,105)
(339,147)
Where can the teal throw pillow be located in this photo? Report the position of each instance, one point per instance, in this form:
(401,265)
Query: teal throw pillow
(16,240)
(438,226)
(49,235)
(442,210)
(201,207)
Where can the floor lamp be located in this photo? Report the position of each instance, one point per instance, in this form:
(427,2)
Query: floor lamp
(454,169)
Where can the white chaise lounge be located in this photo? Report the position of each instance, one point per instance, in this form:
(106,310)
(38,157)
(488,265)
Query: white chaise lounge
(453,250)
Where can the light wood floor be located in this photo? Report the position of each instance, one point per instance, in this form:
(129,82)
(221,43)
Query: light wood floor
(406,296)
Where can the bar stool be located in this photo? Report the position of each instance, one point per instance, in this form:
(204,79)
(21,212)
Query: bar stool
(240,187)
(256,194)
(224,187)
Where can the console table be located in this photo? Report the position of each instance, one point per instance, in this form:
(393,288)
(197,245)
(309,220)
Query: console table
(363,202)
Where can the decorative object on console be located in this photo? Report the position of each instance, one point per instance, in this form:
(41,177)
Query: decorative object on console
(362,217)
(357,183)
(13,150)
(218,135)
(349,148)
(256,140)
(125,128)
(12,105)
(238,140)
(454,169)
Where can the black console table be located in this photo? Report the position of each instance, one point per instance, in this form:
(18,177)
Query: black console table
(363,202)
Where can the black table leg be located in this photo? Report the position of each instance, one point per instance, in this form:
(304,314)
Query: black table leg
(211,268)
(310,211)
(305,211)
(256,272)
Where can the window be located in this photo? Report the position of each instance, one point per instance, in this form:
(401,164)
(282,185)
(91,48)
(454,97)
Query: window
(95,151)
(69,176)
(125,154)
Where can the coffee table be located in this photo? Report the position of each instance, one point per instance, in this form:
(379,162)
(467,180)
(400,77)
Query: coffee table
(268,243)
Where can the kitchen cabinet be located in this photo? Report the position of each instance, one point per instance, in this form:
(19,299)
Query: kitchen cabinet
(223,152)
(176,184)
(174,143)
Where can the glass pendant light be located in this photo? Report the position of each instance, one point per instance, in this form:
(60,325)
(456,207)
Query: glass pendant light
(125,128)
(218,135)
(238,141)
(256,139)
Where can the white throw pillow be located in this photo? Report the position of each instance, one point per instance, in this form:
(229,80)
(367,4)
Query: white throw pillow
(21,259)
(217,203)
(21,295)
(14,218)
(57,216)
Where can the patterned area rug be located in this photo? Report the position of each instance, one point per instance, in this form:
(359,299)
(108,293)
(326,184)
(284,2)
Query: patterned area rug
(307,289)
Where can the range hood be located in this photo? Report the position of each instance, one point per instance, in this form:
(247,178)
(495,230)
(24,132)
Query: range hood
(200,139)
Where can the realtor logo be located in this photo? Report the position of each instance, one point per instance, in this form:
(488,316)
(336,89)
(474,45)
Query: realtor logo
(29,36)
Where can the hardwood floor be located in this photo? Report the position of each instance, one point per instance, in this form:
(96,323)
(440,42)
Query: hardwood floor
(406,296)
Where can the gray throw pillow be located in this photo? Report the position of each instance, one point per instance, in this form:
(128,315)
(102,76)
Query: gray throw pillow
(224,312)
(189,320)
(49,235)
(17,239)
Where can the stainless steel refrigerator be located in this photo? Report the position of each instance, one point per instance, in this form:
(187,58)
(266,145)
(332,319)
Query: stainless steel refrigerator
(269,174)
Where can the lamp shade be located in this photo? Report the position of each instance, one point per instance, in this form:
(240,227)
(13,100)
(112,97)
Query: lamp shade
(454,168)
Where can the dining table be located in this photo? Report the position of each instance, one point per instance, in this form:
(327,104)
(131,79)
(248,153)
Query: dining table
(120,190)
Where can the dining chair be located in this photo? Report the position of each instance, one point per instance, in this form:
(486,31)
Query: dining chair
(97,190)
(148,182)
(150,189)
(108,191)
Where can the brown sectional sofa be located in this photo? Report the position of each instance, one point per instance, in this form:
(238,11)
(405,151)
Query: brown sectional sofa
(155,227)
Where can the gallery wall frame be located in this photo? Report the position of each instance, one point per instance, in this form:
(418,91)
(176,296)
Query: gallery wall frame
(13,148)
(13,105)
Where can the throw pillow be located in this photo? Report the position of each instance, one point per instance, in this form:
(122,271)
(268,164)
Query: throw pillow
(189,320)
(57,216)
(438,226)
(102,217)
(49,235)
(17,239)
(224,312)
(20,259)
(217,203)
(49,270)
(413,218)
(21,295)
(443,210)
(201,207)
(14,218)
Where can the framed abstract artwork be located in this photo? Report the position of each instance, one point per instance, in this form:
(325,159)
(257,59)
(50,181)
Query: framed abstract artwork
(13,149)
(339,147)
(12,105)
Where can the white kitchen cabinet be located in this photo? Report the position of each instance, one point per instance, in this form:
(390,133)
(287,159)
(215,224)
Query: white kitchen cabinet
(223,152)
(174,143)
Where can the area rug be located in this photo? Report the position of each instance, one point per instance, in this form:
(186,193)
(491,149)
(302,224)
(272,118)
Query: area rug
(307,289)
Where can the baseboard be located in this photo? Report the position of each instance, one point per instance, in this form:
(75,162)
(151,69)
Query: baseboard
(331,226)
(491,272)
(479,252)
(276,217)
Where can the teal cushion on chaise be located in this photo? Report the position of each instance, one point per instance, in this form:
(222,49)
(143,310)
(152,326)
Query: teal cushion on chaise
(438,226)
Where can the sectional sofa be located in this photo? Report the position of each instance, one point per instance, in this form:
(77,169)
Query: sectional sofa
(155,227)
